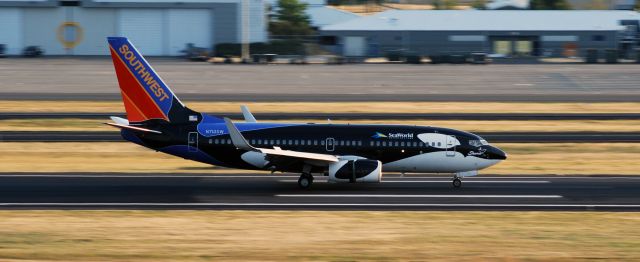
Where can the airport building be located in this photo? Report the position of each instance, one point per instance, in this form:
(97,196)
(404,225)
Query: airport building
(520,33)
(156,27)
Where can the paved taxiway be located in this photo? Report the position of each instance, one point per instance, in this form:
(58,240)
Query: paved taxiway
(264,191)
(71,78)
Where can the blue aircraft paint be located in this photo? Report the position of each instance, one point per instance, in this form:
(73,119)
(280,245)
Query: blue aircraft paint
(214,126)
(192,153)
(130,136)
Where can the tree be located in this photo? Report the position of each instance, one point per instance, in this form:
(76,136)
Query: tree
(549,5)
(291,19)
(597,5)
(479,4)
(444,4)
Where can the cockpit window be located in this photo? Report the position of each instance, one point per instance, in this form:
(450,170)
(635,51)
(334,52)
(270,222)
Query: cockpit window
(477,143)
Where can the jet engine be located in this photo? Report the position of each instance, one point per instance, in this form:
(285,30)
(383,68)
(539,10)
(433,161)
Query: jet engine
(358,170)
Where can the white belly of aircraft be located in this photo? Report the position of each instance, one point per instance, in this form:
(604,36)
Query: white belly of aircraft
(438,162)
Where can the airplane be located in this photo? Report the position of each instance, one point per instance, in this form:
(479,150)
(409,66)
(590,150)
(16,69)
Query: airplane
(350,153)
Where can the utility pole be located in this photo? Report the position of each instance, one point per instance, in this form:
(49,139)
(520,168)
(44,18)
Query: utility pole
(245,31)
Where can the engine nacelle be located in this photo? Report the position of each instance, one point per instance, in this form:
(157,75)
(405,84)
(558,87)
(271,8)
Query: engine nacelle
(359,170)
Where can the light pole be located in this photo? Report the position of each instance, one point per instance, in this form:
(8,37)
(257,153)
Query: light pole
(245,31)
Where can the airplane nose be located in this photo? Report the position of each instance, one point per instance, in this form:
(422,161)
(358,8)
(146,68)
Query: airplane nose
(496,153)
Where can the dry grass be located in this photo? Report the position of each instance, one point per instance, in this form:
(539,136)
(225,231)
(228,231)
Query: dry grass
(564,159)
(317,236)
(561,159)
(471,126)
(336,107)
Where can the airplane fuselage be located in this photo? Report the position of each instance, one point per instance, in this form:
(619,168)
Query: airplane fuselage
(400,148)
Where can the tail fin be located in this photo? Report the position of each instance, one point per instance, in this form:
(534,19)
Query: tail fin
(144,94)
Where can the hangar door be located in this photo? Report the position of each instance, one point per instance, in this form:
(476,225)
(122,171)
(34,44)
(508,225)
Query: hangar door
(11,30)
(354,46)
(189,26)
(144,28)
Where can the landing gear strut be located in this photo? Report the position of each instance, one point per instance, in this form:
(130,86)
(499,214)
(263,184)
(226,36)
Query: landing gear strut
(305,180)
(457,182)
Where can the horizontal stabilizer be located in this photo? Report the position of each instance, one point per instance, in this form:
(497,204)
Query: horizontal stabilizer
(134,128)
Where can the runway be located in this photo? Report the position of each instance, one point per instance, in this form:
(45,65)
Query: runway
(496,137)
(280,192)
(356,116)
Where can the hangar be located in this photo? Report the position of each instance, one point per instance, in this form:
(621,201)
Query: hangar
(158,27)
(501,32)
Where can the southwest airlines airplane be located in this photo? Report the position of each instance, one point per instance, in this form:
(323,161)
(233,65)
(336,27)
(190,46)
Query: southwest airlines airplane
(158,120)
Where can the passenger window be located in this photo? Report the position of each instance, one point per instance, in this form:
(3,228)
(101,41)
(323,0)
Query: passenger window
(348,143)
(439,144)
(377,143)
(370,143)
(215,141)
(296,141)
(396,143)
(308,142)
(228,141)
(210,141)
(315,142)
(401,143)
(359,143)
(322,142)
(384,143)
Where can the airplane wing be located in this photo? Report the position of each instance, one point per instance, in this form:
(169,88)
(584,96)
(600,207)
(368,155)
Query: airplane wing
(123,123)
(241,143)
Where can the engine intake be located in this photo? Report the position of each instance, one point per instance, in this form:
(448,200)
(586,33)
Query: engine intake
(360,170)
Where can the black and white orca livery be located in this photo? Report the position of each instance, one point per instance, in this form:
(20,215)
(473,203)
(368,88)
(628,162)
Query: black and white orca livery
(158,120)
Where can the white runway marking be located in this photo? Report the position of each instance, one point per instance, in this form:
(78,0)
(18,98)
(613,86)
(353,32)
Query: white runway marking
(418,196)
(153,176)
(442,181)
(313,205)
(469,181)
(407,178)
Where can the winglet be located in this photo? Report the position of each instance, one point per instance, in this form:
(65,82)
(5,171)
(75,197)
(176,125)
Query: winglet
(236,137)
(248,117)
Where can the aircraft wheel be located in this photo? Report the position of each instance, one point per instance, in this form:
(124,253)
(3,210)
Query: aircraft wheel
(305,181)
(457,182)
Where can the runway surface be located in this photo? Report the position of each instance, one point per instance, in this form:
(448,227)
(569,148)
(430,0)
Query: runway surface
(496,137)
(280,192)
(357,116)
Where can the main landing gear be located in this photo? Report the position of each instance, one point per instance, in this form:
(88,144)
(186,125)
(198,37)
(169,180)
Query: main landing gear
(457,182)
(305,180)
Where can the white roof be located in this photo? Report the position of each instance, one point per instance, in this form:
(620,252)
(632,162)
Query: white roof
(522,4)
(487,20)
(325,15)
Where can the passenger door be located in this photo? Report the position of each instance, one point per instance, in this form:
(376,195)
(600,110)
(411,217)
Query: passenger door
(450,145)
(192,141)
(330,144)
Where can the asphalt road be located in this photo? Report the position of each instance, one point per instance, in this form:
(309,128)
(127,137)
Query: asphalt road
(263,191)
(357,116)
(495,137)
(78,78)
